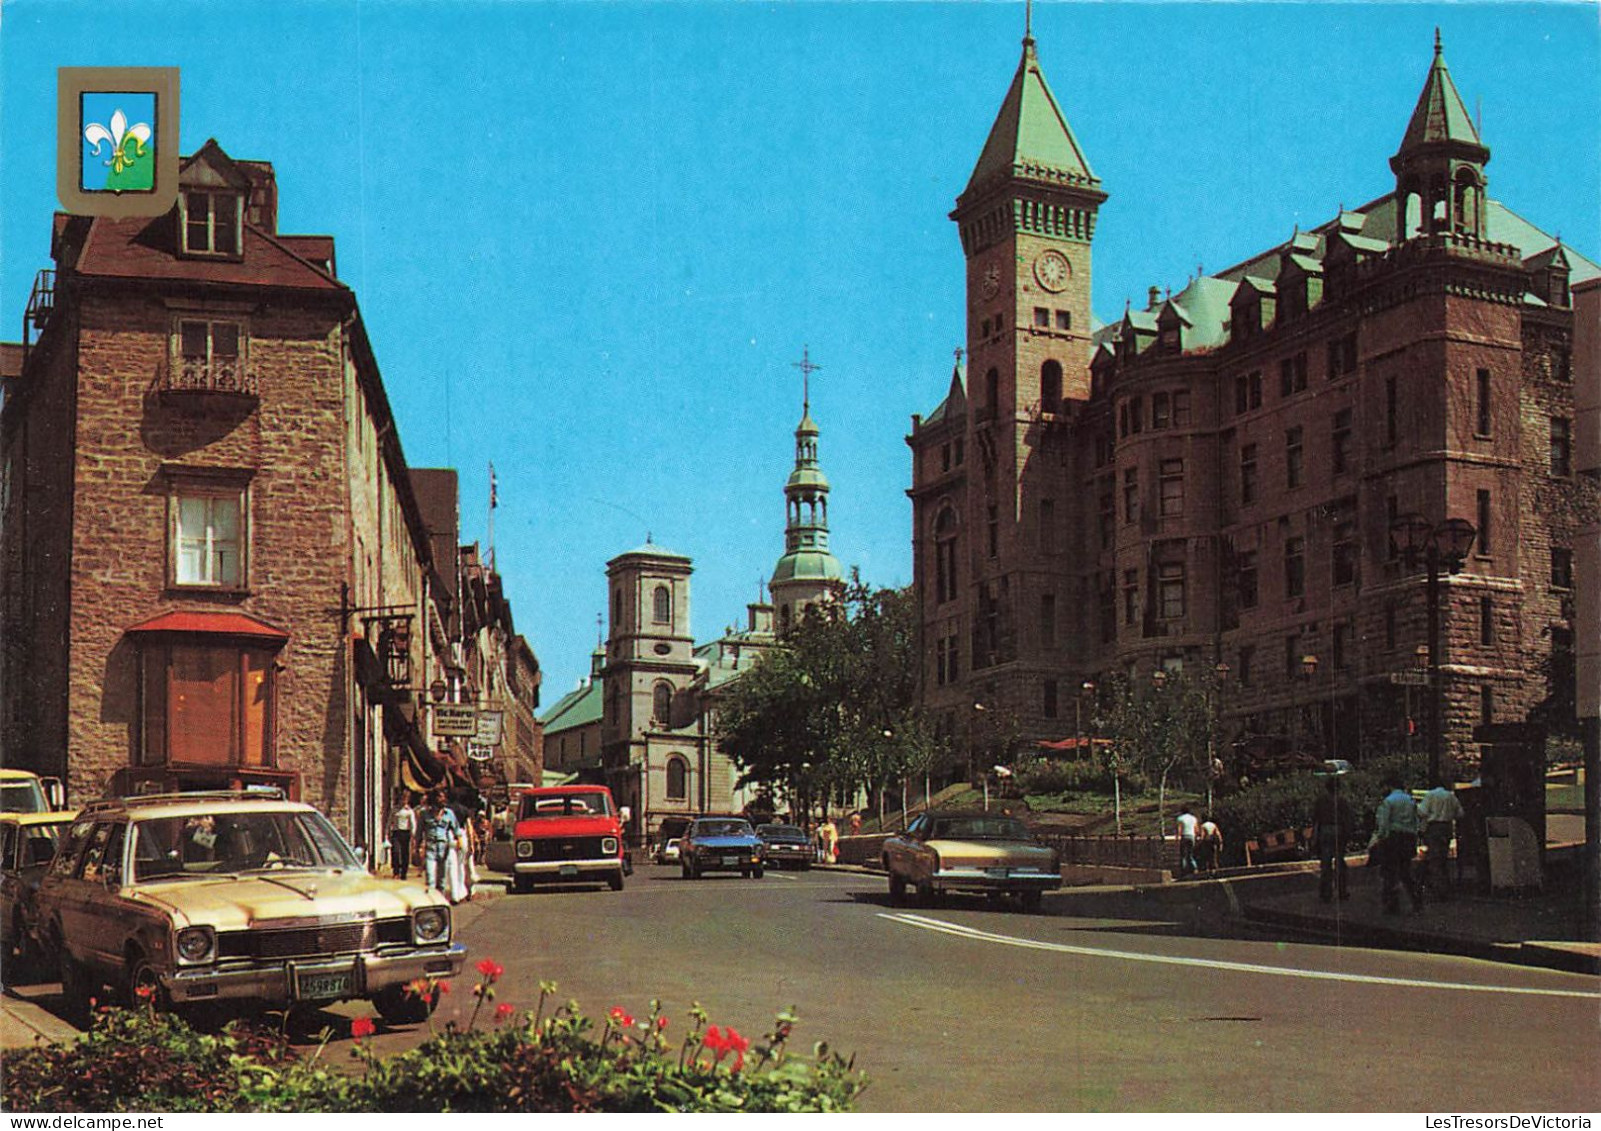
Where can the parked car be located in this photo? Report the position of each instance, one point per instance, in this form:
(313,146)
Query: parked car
(23,791)
(785,846)
(27,844)
(720,844)
(563,834)
(668,853)
(235,897)
(956,850)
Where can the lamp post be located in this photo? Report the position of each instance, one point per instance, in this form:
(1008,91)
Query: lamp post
(1221,674)
(1446,544)
(978,709)
(1309,665)
(1421,657)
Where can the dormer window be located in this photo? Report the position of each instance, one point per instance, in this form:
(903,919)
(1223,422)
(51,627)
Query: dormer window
(210,223)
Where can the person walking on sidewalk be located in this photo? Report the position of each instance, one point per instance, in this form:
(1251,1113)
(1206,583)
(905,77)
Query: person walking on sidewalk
(1188,828)
(402,824)
(1397,820)
(1440,811)
(1211,845)
(439,828)
(1332,826)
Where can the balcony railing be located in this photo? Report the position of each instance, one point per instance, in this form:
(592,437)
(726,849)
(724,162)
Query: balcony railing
(226,377)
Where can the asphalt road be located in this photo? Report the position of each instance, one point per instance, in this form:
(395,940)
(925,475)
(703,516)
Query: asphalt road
(964,1007)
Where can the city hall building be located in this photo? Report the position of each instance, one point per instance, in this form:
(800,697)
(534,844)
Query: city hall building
(1226,481)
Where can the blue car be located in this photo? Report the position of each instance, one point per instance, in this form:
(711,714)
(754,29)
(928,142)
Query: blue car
(720,844)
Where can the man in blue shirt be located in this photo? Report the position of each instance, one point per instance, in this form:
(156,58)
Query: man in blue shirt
(1397,821)
(439,828)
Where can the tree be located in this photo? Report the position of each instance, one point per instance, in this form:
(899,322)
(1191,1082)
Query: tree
(1159,726)
(833,707)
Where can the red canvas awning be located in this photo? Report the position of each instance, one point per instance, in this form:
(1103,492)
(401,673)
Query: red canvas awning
(1074,743)
(212,624)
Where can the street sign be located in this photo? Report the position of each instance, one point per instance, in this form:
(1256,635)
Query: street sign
(452,720)
(1410,679)
(488,730)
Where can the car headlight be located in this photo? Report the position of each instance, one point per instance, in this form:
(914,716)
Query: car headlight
(525,849)
(430,925)
(608,846)
(196,944)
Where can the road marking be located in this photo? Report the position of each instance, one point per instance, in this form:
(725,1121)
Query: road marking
(976,935)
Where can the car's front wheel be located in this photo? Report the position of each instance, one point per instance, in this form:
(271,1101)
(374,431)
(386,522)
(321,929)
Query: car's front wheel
(400,1005)
(615,881)
(897,888)
(144,984)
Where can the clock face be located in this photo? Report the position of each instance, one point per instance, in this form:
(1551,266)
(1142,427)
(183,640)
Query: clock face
(1052,270)
(992,280)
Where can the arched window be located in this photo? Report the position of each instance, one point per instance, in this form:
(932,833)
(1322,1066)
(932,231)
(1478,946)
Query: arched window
(662,702)
(677,779)
(1051,386)
(663,610)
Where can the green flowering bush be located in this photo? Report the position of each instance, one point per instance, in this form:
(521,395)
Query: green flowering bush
(143,1060)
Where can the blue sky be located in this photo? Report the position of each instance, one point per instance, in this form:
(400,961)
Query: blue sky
(589,240)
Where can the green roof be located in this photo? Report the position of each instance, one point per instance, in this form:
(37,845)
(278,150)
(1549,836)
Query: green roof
(579,707)
(1030,132)
(806,565)
(1439,116)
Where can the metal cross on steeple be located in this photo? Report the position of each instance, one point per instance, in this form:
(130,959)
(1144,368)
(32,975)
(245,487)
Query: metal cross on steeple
(807,369)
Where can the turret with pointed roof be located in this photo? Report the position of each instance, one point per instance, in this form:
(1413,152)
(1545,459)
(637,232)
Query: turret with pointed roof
(808,573)
(1441,161)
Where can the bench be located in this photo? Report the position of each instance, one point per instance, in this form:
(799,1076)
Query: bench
(1282,844)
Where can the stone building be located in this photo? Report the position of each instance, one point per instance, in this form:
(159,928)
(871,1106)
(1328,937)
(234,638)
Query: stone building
(214,569)
(1210,483)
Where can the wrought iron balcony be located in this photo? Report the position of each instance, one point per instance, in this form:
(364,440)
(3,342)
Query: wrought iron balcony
(223,378)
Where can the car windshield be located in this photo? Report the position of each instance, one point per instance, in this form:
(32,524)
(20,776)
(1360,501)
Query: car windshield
(782,832)
(979,828)
(723,828)
(23,796)
(233,843)
(568,805)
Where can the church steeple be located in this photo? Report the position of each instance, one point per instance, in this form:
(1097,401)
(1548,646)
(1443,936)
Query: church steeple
(808,573)
(1441,161)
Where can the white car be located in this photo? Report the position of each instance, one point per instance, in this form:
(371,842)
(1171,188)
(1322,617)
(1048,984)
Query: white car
(668,853)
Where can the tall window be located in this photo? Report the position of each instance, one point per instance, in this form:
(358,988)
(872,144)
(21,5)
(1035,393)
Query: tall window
(1561,446)
(1294,566)
(1345,553)
(1292,457)
(945,557)
(1340,449)
(1245,573)
(1561,567)
(206,704)
(1131,595)
(661,702)
(208,535)
(1171,484)
(210,354)
(210,223)
(949,664)
(677,779)
(1292,375)
(1131,494)
(1486,621)
(1247,474)
(1484,542)
(1486,705)
(1108,516)
(1161,410)
(1181,408)
(1048,526)
(1484,418)
(1051,386)
(662,605)
(1170,590)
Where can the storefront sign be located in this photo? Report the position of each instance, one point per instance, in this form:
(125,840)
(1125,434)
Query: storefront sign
(455,721)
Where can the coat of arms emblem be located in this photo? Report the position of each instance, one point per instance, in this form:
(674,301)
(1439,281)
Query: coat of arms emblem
(117,140)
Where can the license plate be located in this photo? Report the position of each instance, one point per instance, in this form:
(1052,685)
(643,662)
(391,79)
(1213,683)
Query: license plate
(569,870)
(730,861)
(323,984)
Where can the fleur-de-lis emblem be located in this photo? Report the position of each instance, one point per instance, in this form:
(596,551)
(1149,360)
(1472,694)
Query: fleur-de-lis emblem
(122,136)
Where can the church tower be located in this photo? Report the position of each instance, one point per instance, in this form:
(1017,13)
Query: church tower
(808,574)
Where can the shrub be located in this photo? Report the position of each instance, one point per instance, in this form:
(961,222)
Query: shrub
(142,1060)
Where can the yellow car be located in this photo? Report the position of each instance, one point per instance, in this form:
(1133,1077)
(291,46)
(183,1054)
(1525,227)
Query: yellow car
(27,845)
(236,897)
(957,850)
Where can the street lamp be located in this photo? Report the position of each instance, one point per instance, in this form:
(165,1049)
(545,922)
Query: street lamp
(1446,544)
(1309,665)
(1215,704)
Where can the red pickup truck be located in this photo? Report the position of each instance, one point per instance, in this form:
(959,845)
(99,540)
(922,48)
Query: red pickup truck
(567,834)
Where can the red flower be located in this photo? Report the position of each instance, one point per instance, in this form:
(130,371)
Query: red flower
(661,1022)
(443,986)
(620,1018)
(145,992)
(362,1027)
(739,1044)
(503,1011)
(491,969)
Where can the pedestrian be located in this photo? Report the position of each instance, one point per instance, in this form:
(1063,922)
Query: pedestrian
(1440,811)
(1189,827)
(1333,822)
(856,824)
(1211,845)
(1397,827)
(402,823)
(483,830)
(439,829)
(828,840)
